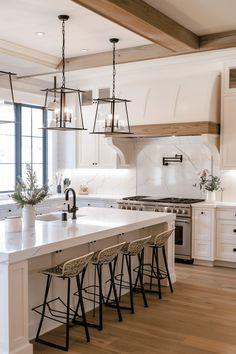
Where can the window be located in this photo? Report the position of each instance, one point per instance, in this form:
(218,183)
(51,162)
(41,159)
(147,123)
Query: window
(21,144)
(7,149)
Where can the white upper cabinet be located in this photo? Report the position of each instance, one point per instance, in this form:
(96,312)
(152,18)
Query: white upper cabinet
(228,133)
(92,149)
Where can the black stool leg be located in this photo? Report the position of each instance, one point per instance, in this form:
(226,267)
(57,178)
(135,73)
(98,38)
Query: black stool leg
(49,278)
(110,289)
(112,272)
(121,276)
(99,270)
(152,269)
(158,272)
(167,269)
(140,273)
(81,301)
(79,298)
(128,263)
(68,315)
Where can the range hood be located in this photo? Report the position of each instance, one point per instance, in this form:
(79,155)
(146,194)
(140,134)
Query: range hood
(182,106)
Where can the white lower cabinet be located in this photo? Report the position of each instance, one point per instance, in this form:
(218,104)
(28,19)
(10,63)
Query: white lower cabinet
(98,203)
(226,235)
(203,230)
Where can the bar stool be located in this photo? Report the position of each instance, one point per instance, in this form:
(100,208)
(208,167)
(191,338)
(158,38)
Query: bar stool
(107,256)
(153,270)
(66,270)
(129,250)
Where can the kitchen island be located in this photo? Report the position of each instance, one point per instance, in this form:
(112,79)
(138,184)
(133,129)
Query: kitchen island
(23,255)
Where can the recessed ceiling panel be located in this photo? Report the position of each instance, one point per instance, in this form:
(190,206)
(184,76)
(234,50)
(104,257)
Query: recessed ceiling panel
(200,16)
(21,19)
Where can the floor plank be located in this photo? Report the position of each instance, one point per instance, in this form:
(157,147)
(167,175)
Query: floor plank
(198,318)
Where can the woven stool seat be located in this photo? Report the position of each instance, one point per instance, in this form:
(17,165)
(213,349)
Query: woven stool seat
(67,270)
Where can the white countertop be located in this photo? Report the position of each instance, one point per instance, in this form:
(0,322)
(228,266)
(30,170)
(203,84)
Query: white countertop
(214,205)
(9,201)
(91,224)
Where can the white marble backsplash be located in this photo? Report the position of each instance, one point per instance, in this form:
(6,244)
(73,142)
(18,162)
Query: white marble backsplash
(177,179)
(105,181)
(150,177)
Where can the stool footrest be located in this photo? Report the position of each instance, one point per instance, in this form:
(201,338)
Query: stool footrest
(149,271)
(55,315)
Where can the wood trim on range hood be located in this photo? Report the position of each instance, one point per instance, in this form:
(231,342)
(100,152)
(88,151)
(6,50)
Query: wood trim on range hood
(174,129)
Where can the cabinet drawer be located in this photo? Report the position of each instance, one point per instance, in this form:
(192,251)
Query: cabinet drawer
(226,229)
(228,214)
(110,205)
(225,251)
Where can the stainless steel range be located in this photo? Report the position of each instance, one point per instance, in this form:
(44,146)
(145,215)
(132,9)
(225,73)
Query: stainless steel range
(183,224)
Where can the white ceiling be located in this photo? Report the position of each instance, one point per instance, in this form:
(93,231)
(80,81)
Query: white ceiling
(20,19)
(200,16)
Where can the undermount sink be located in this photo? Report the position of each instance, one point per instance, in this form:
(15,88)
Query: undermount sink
(49,217)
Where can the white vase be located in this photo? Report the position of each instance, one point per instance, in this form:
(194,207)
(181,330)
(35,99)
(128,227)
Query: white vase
(28,215)
(211,196)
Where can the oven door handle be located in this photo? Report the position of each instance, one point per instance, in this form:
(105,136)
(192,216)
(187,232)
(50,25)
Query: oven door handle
(181,220)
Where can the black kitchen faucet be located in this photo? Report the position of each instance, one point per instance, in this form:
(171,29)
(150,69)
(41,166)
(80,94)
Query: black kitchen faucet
(74,208)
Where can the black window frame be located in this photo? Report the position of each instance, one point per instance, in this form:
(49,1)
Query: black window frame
(18,142)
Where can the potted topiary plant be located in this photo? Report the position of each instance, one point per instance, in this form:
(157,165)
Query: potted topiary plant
(27,194)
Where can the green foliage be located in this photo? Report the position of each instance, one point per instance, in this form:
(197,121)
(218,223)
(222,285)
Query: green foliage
(209,182)
(29,193)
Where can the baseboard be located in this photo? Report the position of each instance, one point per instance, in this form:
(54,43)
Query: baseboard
(204,262)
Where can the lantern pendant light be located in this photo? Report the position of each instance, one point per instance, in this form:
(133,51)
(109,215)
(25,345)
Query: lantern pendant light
(111,115)
(62,96)
(11,100)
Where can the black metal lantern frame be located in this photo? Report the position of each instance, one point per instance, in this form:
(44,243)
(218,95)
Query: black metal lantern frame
(63,115)
(111,122)
(10,75)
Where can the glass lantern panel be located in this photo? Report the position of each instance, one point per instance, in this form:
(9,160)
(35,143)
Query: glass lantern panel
(120,117)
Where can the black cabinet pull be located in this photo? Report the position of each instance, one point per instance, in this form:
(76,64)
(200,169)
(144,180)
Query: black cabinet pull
(234,230)
(202,212)
(234,249)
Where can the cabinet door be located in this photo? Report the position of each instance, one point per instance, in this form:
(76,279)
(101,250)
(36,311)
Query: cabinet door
(203,245)
(87,143)
(93,149)
(107,157)
(228,133)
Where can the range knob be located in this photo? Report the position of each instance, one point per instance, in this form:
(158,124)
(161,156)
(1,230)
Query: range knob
(140,208)
(168,210)
(156,210)
(134,208)
(180,211)
(174,210)
(128,207)
(184,211)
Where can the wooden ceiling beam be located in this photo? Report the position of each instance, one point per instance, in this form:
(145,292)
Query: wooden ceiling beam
(216,41)
(127,55)
(146,21)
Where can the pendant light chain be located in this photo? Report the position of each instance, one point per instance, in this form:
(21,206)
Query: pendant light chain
(114,70)
(63,53)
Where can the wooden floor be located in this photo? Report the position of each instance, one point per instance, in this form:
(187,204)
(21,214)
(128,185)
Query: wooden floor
(198,318)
